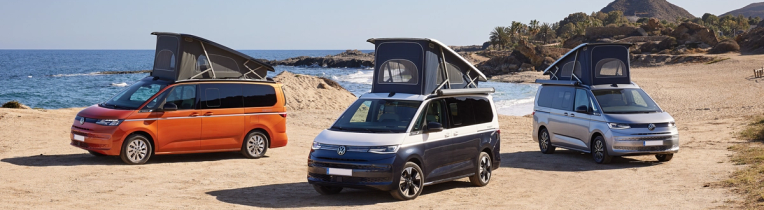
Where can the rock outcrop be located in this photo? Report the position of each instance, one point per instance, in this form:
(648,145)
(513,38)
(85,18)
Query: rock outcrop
(525,57)
(347,59)
(725,47)
(610,32)
(752,42)
(643,60)
(688,33)
(660,9)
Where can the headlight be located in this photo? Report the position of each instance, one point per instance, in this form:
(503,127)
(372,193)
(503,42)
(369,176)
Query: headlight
(316,146)
(672,124)
(109,122)
(384,149)
(618,125)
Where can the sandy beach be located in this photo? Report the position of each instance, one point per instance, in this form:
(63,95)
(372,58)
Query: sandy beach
(710,102)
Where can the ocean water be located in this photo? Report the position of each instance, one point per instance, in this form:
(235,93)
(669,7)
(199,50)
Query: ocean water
(54,79)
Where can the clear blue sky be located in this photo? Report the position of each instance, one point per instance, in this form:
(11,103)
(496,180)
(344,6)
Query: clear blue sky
(77,24)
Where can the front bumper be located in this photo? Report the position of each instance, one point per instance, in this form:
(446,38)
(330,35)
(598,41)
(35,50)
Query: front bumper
(377,174)
(101,142)
(640,144)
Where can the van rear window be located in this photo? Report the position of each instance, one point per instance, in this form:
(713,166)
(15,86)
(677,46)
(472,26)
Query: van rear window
(259,95)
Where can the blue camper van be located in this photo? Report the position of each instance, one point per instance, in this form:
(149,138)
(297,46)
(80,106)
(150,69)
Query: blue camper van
(424,122)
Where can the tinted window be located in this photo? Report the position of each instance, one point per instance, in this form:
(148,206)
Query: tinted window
(562,98)
(466,111)
(432,113)
(545,96)
(454,74)
(135,95)
(258,95)
(582,100)
(625,101)
(183,96)
(568,69)
(398,71)
(220,96)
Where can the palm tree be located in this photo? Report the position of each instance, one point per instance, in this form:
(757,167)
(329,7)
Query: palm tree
(545,30)
(534,27)
(499,37)
(515,30)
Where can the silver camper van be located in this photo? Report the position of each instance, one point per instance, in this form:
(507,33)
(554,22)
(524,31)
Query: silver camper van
(590,105)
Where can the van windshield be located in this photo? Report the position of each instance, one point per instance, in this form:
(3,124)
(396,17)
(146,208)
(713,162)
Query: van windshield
(625,101)
(377,116)
(135,95)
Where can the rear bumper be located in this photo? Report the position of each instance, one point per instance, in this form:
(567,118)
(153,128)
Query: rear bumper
(377,175)
(278,140)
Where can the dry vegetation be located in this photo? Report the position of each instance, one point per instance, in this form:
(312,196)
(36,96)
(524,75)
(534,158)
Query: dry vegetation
(749,181)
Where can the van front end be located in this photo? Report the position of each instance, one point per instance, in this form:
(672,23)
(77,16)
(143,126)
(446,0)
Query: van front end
(352,167)
(102,130)
(638,139)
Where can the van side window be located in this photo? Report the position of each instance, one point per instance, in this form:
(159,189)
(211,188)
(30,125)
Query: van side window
(259,95)
(562,98)
(432,113)
(183,96)
(582,99)
(466,111)
(221,96)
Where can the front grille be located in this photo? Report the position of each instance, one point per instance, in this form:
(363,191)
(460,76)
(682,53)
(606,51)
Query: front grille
(646,134)
(641,149)
(343,159)
(81,128)
(349,166)
(347,179)
(646,138)
(89,120)
(657,125)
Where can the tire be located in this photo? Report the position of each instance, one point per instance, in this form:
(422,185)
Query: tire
(255,145)
(96,153)
(664,157)
(327,190)
(545,142)
(136,149)
(410,182)
(483,174)
(599,151)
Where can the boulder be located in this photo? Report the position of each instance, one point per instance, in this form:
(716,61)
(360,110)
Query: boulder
(668,43)
(574,41)
(725,47)
(689,32)
(609,32)
(752,42)
(527,67)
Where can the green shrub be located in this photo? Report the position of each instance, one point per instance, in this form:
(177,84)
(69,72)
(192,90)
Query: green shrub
(12,104)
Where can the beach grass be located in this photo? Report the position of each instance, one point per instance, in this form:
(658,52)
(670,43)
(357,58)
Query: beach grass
(749,181)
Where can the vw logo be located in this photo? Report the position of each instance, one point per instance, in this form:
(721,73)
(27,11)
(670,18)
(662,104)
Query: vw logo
(82,120)
(341,150)
(651,126)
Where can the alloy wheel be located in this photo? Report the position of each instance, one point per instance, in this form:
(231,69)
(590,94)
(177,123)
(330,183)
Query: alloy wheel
(256,145)
(544,141)
(599,150)
(137,150)
(485,169)
(411,182)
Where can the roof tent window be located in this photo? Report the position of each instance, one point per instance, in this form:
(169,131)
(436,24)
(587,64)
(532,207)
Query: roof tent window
(454,74)
(610,67)
(166,53)
(223,63)
(567,69)
(398,71)
(202,64)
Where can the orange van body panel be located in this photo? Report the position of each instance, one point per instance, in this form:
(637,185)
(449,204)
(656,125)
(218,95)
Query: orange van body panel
(183,131)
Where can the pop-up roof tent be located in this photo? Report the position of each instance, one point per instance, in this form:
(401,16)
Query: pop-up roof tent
(185,57)
(593,64)
(422,67)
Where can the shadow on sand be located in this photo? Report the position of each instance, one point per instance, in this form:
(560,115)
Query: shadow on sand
(285,195)
(567,160)
(87,159)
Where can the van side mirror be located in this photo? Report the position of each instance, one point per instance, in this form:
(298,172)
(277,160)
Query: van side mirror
(582,109)
(169,107)
(434,127)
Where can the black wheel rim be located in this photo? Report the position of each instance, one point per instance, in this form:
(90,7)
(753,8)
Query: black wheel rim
(544,141)
(485,169)
(599,150)
(411,182)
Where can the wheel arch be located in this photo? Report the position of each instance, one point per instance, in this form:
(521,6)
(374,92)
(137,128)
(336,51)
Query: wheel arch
(143,133)
(264,131)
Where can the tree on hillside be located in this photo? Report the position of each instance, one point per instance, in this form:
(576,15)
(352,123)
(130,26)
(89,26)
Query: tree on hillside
(545,30)
(516,30)
(533,28)
(500,37)
(615,17)
(566,31)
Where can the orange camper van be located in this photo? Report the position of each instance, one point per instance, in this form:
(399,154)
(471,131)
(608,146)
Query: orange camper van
(200,97)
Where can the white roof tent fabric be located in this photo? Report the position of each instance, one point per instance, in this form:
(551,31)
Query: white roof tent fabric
(420,66)
(187,57)
(594,64)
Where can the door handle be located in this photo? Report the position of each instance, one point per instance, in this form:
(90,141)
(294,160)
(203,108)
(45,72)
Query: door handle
(194,114)
(456,133)
(566,114)
(572,115)
(447,135)
(208,114)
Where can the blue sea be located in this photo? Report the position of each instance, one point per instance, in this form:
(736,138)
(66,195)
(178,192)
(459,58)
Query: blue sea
(53,79)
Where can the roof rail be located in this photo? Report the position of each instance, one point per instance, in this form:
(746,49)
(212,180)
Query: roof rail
(450,92)
(558,82)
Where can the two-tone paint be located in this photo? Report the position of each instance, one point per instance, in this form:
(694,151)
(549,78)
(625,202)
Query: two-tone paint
(443,156)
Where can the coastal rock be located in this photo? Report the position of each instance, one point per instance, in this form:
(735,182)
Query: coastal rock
(347,59)
(689,32)
(725,47)
(648,60)
(752,42)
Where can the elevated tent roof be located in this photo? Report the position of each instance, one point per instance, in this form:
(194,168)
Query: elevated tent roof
(188,57)
(420,66)
(594,64)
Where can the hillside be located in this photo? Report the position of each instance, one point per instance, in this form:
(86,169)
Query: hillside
(752,10)
(660,9)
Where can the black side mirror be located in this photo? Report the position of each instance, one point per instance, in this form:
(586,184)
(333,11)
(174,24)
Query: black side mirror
(582,109)
(434,127)
(169,107)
